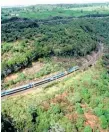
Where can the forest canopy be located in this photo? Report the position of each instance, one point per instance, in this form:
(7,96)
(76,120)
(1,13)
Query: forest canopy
(57,36)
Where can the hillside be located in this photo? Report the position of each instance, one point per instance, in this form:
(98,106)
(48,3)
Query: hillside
(58,35)
(81,101)
(61,37)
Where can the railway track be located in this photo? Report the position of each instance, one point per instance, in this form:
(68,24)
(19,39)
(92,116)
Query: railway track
(31,85)
(34,84)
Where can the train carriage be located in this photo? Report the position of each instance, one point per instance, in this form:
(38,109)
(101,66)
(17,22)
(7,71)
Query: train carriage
(33,84)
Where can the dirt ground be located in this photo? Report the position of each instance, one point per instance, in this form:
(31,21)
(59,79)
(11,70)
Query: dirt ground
(36,66)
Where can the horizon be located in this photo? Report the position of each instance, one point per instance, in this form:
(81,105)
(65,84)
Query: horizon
(12,3)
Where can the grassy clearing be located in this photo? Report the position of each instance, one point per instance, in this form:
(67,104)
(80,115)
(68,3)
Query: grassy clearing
(73,101)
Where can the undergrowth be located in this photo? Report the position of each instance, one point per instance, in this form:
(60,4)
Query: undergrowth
(65,106)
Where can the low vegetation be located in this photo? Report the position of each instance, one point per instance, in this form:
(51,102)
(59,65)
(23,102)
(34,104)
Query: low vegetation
(48,68)
(81,101)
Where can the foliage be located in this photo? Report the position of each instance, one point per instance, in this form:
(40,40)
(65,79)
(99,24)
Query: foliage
(49,67)
(57,36)
(60,106)
(98,111)
(80,123)
(61,37)
(104,122)
(74,98)
(43,111)
(85,94)
(56,128)
(7,124)
(60,10)
(78,108)
(87,129)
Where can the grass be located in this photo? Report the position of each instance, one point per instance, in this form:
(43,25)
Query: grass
(46,11)
(65,13)
(88,89)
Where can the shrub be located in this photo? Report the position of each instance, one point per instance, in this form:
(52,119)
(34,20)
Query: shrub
(54,109)
(87,129)
(79,109)
(80,123)
(106,114)
(94,102)
(56,128)
(43,124)
(68,125)
(103,122)
(85,95)
(98,111)
(107,94)
(22,76)
(74,98)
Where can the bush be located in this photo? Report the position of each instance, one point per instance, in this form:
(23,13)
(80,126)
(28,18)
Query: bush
(87,129)
(56,128)
(106,114)
(68,125)
(103,122)
(74,98)
(106,94)
(80,123)
(22,76)
(85,95)
(98,111)
(79,109)
(55,109)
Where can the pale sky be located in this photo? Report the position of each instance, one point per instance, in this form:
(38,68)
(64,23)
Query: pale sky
(33,2)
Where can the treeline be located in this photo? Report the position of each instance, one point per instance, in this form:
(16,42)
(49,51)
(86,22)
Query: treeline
(95,15)
(61,37)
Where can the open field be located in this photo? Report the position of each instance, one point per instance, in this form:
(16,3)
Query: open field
(47,11)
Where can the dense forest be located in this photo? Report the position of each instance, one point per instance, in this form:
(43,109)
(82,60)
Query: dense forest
(55,37)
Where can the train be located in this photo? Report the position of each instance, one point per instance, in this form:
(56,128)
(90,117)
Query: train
(33,84)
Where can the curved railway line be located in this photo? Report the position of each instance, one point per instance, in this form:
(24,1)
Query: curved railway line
(91,62)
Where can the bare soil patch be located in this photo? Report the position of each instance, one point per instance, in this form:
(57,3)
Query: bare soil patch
(91,120)
(36,67)
(11,77)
